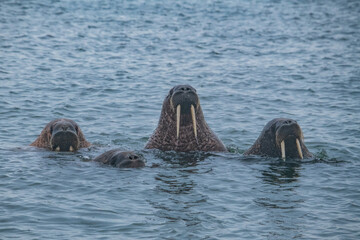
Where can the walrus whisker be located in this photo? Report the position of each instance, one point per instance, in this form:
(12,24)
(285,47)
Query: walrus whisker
(193,116)
(299,148)
(178,108)
(283,150)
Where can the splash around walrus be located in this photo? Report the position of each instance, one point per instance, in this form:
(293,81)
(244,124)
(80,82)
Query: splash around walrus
(182,126)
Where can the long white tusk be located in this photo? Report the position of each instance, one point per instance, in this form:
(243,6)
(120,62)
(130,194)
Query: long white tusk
(178,108)
(193,116)
(71,149)
(171,103)
(57,149)
(283,150)
(299,148)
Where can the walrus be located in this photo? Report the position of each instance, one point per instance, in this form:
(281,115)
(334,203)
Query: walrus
(61,135)
(120,159)
(281,137)
(182,126)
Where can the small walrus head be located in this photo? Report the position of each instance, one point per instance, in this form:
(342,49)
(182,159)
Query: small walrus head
(64,136)
(182,126)
(61,135)
(120,159)
(281,137)
(289,137)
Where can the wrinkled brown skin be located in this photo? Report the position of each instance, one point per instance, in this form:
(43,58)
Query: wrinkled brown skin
(268,143)
(120,159)
(43,141)
(164,137)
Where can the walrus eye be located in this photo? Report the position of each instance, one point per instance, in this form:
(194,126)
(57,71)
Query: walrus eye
(77,129)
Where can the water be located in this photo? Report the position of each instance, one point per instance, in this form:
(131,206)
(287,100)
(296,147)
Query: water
(109,64)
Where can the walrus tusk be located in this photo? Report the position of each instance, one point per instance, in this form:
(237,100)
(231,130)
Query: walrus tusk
(178,108)
(171,103)
(283,150)
(71,149)
(57,149)
(193,116)
(299,148)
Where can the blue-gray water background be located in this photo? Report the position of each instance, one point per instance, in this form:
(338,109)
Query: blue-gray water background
(109,64)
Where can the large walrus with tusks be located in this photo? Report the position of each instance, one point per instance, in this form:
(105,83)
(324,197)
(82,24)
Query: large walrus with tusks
(61,135)
(182,126)
(281,137)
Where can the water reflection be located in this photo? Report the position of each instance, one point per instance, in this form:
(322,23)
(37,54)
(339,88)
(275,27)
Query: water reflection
(279,173)
(178,195)
(181,159)
(279,199)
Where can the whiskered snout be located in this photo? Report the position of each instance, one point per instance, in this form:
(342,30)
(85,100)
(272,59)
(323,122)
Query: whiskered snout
(184,101)
(64,141)
(289,134)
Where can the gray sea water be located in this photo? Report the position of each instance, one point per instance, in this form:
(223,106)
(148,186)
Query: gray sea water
(109,64)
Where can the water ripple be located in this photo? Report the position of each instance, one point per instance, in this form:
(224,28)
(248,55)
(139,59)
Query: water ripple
(108,65)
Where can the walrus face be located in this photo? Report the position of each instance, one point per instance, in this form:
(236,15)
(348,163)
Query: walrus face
(64,136)
(182,126)
(126,160)
(288,138)
(184,102)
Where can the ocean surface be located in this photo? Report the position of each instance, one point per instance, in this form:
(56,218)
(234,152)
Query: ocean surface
(109,64)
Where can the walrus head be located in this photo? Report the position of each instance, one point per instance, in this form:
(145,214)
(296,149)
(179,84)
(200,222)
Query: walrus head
(288,136)
(120,159)
(184,103)
(281,137)
(182,126)
(61,135)
(64,136)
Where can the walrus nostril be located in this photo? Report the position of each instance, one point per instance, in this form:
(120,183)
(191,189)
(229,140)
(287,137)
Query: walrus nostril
(133,157)
(185,89)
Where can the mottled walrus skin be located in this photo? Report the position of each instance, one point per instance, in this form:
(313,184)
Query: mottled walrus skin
(182,126)
(61,135)
(277,132)
(120,159)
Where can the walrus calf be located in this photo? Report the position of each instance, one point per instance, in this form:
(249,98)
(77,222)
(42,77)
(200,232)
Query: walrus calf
(61,135)
(182,126)
(117,158)
(281,137)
